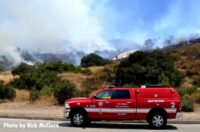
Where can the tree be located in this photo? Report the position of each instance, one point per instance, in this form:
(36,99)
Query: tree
(22,68)
(93,60)
(148,68)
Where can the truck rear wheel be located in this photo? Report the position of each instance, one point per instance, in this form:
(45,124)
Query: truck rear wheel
(158,120)
(79,118)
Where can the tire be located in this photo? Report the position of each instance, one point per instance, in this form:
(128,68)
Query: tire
(158,120)
(79,119)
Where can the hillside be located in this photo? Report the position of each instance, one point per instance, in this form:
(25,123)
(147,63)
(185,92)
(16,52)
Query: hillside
(188,62)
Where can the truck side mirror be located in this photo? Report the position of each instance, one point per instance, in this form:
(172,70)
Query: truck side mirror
(94,97)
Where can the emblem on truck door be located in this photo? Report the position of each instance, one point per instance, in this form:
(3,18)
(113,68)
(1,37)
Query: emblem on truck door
(100,104)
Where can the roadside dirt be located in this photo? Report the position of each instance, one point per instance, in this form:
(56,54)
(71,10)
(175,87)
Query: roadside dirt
(26,109)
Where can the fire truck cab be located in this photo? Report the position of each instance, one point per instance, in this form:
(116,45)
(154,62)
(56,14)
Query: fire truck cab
(153,104)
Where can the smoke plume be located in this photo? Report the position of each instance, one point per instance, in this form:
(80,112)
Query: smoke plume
(78,27)
(51,26)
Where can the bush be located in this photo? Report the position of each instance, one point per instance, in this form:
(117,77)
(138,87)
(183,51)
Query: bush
(34,95)
(47,91)
(7,91)
(93,60)
(186,91)
(148,68)
(187,104)
(64,90)
(57,67)
(37,79)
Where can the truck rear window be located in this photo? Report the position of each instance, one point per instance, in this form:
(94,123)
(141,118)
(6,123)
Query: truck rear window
(120,94)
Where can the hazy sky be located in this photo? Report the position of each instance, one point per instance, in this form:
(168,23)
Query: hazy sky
(89,25)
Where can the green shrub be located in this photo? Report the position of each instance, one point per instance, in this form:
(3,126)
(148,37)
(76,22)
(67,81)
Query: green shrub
(186,90)
(47,91)
(34,95)
(64,90)
(187,104)
(7,91)
(38,79)
(16,83)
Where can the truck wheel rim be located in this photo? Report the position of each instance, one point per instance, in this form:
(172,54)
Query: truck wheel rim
(157,120)
(78,119)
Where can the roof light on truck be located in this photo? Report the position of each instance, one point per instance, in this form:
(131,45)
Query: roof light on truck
(143,86)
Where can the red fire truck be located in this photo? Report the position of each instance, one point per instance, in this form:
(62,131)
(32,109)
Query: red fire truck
(153,104)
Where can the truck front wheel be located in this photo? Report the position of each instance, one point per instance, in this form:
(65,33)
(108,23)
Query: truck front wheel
(78,118)
(158,120)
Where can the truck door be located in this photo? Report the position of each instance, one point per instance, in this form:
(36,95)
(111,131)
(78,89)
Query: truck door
(123,104)
(99,104)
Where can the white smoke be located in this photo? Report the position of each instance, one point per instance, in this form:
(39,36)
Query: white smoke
(53,26)
(84,26)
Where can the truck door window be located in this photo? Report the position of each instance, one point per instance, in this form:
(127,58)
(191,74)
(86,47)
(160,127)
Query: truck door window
(104,94)
(120,94)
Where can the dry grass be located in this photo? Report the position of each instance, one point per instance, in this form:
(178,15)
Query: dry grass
(46,101)
(76,78)
(95,69)
(80,79)
(22,95)
(6,76)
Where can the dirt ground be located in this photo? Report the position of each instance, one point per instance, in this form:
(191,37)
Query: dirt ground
(26,109)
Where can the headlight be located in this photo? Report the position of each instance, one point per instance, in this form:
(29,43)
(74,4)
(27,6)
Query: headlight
(67,105)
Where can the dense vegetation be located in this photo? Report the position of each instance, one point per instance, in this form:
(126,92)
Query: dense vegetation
(148,68)
(189,97)
(44,79)
(94,60)
(6,91)
(57,67)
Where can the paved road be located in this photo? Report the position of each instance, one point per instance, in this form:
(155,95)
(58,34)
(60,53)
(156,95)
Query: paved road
(20,125)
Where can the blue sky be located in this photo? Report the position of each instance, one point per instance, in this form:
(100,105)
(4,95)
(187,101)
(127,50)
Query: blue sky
(150,18)
(133,14)
(89,25)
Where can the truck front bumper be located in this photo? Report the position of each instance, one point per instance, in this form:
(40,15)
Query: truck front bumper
(66,113)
